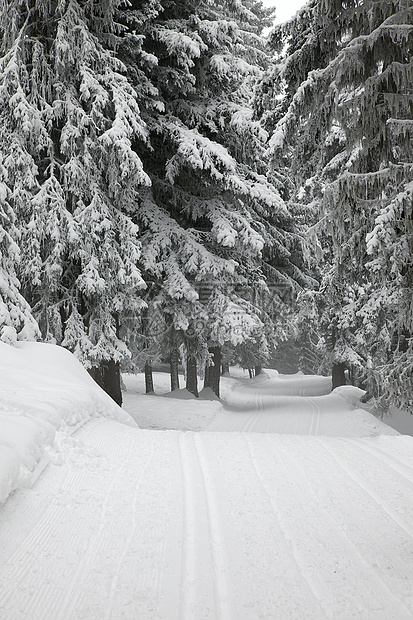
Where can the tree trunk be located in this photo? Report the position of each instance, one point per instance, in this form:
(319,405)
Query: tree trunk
(352,375)
(213,373)
(258,370)
(148,378)
(174,361)
(191,376)
(250,373)
(207,377)
(338,375)
(225,368)
(107,375)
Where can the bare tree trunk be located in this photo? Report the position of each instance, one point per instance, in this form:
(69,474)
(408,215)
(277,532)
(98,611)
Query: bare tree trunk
(337,371)
(250,373)
(191,376)
(338,375)
(107,375)
(148,378)
(225,368)
(213,373)
(174,361)
(207,377)
(258,370)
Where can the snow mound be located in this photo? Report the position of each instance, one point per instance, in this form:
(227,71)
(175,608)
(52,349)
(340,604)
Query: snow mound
(350,393)
(263,376)
(182,394)
(45,395)
(208,394)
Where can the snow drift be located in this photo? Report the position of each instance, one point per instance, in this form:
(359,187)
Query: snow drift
(45,396)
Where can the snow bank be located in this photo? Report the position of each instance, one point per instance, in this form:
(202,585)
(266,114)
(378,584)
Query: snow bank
(350,393)
(182,394)
(45,395)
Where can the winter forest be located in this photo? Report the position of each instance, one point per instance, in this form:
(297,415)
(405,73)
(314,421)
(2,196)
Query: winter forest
(175,186)
(206,310)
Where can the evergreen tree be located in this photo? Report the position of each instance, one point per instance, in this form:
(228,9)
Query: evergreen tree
(16,320)
(347,131)
(212,219)
(69,121)
(92,152)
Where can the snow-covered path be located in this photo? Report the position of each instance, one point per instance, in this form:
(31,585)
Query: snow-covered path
(271,403)
(143,525)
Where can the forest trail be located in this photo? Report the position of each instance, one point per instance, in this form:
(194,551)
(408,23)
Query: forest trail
(225,525)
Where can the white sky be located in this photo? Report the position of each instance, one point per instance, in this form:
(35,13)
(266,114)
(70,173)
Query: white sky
(285,8)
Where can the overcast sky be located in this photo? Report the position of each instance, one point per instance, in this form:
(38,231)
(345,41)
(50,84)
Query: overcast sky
(284,8)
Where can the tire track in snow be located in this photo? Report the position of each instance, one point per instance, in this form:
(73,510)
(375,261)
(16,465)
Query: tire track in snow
(318,577)
(324,516)
(367,489)
(392,462)
(315,419)
(188,566)
(221,584)
(319,593)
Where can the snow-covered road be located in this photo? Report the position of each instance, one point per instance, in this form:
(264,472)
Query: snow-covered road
(143,525)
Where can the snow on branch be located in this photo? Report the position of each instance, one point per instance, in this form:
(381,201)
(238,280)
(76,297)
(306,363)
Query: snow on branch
(199,153)
(180,45)
(166,237)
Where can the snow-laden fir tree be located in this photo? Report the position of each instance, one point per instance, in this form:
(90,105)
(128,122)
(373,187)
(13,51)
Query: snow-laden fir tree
(69,121)
(212,219)
(16,319)
(347,131)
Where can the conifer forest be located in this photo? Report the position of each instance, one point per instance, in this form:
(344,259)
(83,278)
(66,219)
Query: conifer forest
(183,182)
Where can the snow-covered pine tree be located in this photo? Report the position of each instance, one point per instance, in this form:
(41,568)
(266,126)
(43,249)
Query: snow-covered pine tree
(69,120)
(212,217)
(16,319)
(348,127)
(297,48)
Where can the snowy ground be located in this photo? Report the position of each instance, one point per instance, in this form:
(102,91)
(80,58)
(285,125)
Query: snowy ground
(45,396)
(290,503)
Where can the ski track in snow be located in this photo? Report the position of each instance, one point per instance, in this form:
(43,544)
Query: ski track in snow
(188,570)
(313,586)
(390,460)
(235,525)
(199,495)
(371,492)
(221,565)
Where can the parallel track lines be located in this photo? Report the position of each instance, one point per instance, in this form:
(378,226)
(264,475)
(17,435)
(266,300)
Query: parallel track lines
(313,585)
(188,566)
(217,536)
(374,496)
(321,515)
(392,462)
(201,499)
